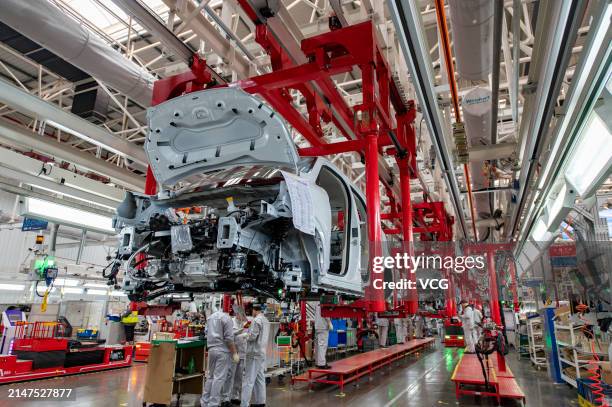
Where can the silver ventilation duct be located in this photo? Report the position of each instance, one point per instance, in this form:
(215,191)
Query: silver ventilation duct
(477,118)
(50,27)
(472,28)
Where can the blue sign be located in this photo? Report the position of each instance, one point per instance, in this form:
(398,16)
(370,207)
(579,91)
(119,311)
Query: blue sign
(30,224)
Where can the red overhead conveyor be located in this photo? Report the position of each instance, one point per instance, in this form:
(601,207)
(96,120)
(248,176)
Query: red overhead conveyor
(382,124)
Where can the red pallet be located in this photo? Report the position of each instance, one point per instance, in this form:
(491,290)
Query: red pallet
(469,372)
(352,368)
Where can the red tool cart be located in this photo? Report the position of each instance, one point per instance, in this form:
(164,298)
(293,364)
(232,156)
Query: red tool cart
(39,352)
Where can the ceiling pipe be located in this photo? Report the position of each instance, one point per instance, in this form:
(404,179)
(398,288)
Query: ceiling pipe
(450,71)
(406,17)
(22,138)
(55,116)
(498,9)
(147,18)
(49,26)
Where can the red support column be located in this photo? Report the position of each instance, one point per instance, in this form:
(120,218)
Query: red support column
(374,298)
(227,302)
(494,298)
(407,237)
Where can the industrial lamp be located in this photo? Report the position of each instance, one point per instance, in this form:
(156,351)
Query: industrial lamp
(591,158)
(66,215)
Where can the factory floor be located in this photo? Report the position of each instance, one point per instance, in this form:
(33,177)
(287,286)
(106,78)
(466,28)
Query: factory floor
(422,381)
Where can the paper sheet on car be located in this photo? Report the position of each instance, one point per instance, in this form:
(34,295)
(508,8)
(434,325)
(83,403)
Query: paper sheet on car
(301,203)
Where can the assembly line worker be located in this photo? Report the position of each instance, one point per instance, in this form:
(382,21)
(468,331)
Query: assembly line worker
(383,330)
(409,328)
(322,327)
(232,388)
(477,323)
(254,379)
(419,327)
(467,321)
(400,334)
(221,353)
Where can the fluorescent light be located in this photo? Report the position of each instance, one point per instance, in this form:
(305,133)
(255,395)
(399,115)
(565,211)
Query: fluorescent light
(96,285)
(579,82)
(12,287)
(67,282)
(62,214)
(539,231)
(97,292)
(560,207)
(118,294)
(591,159)
(72,290)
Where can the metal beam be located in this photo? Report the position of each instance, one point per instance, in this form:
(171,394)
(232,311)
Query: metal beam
(19,137)
(494,152)
(13,189)
(213,38)
(35,172)
(556,35)
(54,115)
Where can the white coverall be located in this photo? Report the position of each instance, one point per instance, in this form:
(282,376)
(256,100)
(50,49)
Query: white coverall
(254,379)
(322,327)
(419,327)
(383,330)
(400,333)
(232,388)
(477,322)
(219,333)
(467,321)
(409,328)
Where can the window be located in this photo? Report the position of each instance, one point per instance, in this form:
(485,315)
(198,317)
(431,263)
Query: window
(363,229)
(340,203)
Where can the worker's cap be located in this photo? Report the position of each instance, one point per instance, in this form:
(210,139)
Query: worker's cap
(257,307)
(464,302)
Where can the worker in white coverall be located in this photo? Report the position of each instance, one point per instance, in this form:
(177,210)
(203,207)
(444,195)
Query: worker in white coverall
(400,334)
(322,327)
(409,328)
(467,322)
(419,327)
(221,353)
(477,323)
(232,388)
(383,330)
(254,379)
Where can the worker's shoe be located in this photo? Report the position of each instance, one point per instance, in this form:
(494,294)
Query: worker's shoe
(235,402)
(226,404)
(324,367)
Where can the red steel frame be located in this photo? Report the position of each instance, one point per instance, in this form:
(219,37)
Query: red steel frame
(370,127)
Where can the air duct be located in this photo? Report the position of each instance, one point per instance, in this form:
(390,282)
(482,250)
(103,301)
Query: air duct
(472,28)
(53,29)
(477,118)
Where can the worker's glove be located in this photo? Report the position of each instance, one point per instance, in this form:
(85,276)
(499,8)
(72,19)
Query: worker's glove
(235,358)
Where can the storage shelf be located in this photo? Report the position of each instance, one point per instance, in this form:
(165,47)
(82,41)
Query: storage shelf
(569,380)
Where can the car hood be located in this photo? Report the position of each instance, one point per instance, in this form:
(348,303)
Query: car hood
(214,129)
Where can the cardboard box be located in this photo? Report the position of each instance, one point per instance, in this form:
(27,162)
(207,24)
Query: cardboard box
(606,374)
(562,315)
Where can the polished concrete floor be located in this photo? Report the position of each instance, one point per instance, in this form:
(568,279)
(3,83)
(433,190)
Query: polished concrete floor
(422,381)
